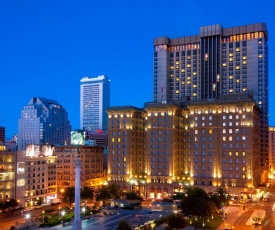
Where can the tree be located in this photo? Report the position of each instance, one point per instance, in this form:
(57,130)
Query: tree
(123,225)
(69,195)
(114,190)
(196,202)
(104,194)
(86,193)
(220,197)
(133,196)
(176,221)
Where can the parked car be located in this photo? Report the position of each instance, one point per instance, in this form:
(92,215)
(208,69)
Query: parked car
(266,198)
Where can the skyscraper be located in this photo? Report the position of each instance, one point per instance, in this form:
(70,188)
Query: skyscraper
(2,134)
(43,121)
(94,101)
(218,61)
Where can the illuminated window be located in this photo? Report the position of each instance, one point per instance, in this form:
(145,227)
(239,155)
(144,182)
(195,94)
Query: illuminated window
(206,57)
(183,70)
(230,154)
(244,62)
(243,169)
(210,131)
(224,64)
(224,138)
(230,138)
(118,139)
(230,55)
(237,67)
(260,56)
(243,153)
(113,139)
(243,176)
(224,131)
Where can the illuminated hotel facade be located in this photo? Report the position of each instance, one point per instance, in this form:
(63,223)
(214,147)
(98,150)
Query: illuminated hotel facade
(164,146)
(271,132)
(215,62)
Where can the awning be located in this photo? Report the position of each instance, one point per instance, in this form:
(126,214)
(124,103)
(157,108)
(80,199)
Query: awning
(152,190)
(165,190)
(158,190)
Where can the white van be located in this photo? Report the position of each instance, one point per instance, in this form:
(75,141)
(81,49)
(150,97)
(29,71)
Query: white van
(259,218)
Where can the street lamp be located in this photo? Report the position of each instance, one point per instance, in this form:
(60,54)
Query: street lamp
(63,214)
(59,210)
(84,211)
(43,212)
(27,219)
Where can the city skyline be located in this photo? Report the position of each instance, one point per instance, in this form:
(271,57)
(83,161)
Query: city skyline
(42,46)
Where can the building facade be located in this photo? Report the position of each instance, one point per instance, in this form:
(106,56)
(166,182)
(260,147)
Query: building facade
(165,146)
(43,121)
(36,175)
(7,173)
(2,134)
(94,101)
(271,132)
(215,62)
(91,174)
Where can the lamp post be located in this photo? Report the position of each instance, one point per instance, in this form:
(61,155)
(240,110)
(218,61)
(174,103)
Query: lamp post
(59,210)
(77,222)
(43,212)
(27,219)
(84,212)
(63,214)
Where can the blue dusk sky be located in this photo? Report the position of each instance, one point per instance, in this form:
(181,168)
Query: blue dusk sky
(46,47)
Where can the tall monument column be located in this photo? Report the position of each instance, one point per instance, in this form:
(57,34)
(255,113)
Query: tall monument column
(77,221)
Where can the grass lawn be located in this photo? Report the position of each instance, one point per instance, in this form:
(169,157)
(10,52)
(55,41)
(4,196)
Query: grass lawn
(209,223)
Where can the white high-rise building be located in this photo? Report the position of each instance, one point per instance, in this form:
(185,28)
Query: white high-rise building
(43,121)
(94,101)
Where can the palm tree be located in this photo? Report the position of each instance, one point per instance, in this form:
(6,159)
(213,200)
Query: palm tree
(86,193)
(104,194)
(69,195)
(114,190)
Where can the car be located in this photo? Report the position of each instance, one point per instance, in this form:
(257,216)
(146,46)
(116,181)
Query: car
(266,198)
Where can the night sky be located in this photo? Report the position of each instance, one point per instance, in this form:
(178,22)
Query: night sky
(46,47)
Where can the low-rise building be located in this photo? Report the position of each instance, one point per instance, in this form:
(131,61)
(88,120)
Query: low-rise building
(7,173)
(92,173)
(36,175)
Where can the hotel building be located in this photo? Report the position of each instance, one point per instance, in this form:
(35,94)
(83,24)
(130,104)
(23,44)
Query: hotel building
(159,149)
(271,132)
(215,62)
(94,101)
(43,121)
